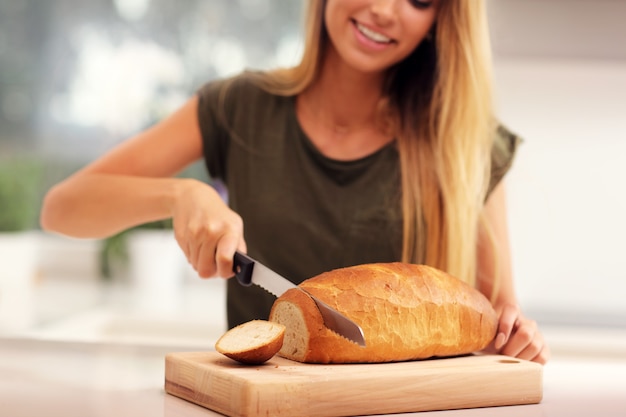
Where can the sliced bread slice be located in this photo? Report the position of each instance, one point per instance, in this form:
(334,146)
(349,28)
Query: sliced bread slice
(253,342)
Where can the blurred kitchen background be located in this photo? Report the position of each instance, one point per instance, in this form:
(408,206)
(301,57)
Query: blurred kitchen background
(76,78)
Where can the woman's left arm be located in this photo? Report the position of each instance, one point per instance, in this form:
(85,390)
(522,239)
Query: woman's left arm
(517,335)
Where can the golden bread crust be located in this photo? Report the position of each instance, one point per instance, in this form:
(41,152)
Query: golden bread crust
(406,312)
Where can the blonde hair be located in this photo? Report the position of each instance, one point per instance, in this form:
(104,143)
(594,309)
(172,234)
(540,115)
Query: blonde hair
(440,102)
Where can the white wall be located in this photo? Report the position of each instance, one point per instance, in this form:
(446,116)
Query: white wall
(567,192)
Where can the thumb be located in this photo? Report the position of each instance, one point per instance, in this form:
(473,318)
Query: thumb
(508,317)
(225,252)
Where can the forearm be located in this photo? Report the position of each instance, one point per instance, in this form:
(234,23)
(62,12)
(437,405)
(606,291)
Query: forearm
(495,275)
(94,205)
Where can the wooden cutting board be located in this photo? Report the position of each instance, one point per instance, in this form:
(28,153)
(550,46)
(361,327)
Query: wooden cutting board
(281,387)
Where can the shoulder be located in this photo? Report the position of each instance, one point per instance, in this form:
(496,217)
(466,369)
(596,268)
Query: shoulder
(240,89)
(506,142)
(239,107)
(505,146)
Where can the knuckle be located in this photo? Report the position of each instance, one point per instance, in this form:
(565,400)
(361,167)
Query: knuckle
(224,264)
(535,346)
(512,307)
(238,222)
(543,357)
(525,334)
(223,259)
(205,271)
(214,227)
(201,231)
(190,232)
(196,230)
(509,308)
(206,268)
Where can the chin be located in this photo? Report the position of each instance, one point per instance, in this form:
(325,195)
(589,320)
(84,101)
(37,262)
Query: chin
(367,65)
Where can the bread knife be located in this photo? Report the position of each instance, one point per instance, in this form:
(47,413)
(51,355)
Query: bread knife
(249,271)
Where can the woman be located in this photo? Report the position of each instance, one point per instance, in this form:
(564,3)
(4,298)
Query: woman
(380,146)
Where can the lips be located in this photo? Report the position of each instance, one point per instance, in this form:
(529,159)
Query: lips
(372,35)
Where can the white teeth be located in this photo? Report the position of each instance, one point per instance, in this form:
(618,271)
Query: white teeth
(375,36)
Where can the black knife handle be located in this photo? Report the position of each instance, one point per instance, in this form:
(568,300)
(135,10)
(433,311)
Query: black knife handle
(242,267)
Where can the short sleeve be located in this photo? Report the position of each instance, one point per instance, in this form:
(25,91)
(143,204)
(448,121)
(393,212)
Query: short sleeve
(505,146)
(213,127)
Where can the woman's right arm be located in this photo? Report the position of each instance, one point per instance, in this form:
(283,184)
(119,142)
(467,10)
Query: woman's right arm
(133,184)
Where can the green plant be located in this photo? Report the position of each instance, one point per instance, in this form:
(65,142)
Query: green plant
(115,248)
(20,188)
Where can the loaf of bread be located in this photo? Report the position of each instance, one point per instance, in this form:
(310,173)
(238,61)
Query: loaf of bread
(252,343)
(406,312)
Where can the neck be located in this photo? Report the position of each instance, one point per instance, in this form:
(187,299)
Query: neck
(341,98)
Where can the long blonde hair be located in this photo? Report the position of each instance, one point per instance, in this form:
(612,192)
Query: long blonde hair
(440,102)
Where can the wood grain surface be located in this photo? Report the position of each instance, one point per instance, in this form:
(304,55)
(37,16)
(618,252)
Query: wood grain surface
(282,387)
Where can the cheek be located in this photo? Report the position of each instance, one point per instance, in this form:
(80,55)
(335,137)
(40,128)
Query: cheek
(339,11)
(406,48)
(417,30)
(416,39)
(336,20)
(331,17)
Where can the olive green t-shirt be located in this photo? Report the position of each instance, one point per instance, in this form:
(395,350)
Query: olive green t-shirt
(303,212)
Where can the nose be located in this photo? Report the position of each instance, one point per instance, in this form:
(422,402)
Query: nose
(383,11)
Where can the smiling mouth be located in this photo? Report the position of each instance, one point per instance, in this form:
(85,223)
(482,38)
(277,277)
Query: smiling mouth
(372,35)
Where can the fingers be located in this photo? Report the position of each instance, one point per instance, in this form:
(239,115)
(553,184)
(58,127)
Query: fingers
(206,229)
(523,338)
(200,256)
(224,254)
(524,341)
(527,343)
(543,356)
(210,247)
(204,263)
(508,318)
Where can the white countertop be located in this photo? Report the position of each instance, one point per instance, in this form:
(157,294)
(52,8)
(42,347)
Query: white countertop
(68,379)
(99,350)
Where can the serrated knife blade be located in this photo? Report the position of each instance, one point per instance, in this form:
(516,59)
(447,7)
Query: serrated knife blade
(249,271)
